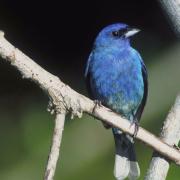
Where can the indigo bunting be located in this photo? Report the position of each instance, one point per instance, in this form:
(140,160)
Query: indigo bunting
(116,76)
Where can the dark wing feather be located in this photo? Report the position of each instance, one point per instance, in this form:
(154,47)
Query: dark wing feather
(88,77)
(143,102)
(88,85)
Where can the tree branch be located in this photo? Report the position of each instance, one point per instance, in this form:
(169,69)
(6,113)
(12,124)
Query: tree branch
(172,10)
(170,134)
(64,99)
(55,147)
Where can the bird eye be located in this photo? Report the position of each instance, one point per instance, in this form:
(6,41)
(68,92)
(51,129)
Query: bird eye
(120,32)
(115,33)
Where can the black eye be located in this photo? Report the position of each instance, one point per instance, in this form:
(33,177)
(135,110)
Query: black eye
(120,32)
(115,33)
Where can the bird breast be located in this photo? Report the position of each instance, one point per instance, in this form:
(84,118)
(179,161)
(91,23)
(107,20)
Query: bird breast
(118,84)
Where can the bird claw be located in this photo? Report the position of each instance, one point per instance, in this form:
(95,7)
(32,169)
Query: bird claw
(97,104)
(136,127)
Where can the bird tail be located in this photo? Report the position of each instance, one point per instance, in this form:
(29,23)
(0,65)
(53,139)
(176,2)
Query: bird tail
(125,159)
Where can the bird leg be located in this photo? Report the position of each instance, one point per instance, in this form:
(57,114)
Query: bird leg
(136,127)
(97,104)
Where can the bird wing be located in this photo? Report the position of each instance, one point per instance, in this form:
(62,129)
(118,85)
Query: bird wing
(144,99)
(87,66)
(87,77)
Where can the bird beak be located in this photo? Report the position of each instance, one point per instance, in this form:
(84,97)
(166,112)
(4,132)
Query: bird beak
(131,32)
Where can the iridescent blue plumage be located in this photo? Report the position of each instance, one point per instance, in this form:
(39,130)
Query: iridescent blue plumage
(116,76)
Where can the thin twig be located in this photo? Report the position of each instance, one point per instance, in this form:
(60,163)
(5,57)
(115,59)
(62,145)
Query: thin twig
(63,97)
(170,134)
(55,147)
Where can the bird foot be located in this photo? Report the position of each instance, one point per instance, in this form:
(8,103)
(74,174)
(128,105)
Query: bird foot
(97,104)
(136,127)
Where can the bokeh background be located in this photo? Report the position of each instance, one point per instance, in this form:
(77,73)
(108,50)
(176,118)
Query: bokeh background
(59,37)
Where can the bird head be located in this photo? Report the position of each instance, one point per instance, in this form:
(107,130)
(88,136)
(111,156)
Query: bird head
(115,35)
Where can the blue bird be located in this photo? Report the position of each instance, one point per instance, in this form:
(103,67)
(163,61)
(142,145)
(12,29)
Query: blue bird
(116,76)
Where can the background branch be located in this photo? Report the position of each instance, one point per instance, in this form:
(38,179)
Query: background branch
(64,98)
(172,10)
(170,134)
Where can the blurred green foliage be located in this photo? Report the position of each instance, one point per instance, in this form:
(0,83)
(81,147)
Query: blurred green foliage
(87,150)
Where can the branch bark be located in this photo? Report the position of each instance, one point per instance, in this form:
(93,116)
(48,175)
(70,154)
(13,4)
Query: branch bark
(172,10)
(55,147)
(170,134)
(64,99)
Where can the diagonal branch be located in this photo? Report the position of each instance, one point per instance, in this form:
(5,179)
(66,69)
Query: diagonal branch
(66,99)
